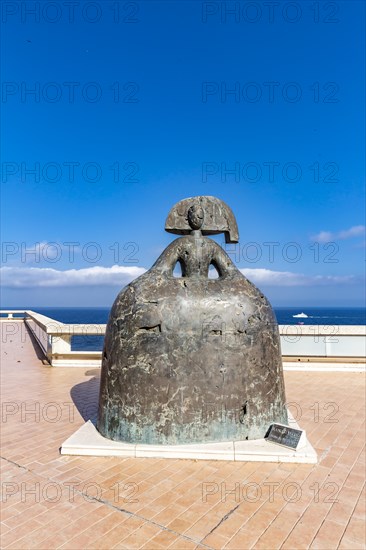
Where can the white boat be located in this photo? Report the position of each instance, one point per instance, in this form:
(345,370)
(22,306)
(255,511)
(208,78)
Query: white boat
(301,315)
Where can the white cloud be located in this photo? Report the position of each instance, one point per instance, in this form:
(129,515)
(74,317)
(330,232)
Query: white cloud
(262,277)
(328,236)
(323,237)
(30,277)
(38,277)
(354,231)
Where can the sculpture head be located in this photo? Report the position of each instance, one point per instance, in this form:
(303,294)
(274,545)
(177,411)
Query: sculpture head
(209,214)
(195,216)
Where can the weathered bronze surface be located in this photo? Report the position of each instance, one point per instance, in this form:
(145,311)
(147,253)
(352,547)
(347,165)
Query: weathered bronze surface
(192,359)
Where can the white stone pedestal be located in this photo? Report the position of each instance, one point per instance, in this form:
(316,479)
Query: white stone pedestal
(87,441)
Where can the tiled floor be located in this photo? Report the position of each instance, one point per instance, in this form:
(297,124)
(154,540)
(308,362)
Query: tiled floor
(50,501)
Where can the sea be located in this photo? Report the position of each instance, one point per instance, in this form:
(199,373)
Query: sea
(285,316)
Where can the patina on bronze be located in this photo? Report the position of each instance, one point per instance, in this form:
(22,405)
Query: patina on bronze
(192,359)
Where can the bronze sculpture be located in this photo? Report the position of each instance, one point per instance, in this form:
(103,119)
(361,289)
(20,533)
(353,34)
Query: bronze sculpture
(192,359)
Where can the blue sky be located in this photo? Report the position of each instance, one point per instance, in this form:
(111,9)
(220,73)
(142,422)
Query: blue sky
(132,111)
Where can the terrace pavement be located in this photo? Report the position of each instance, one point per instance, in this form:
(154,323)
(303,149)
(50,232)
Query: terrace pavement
(53,501)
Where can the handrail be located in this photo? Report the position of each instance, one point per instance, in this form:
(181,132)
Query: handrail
(54,327)
(322,330)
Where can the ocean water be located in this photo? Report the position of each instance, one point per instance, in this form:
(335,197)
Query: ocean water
(285,316)
(321,315)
